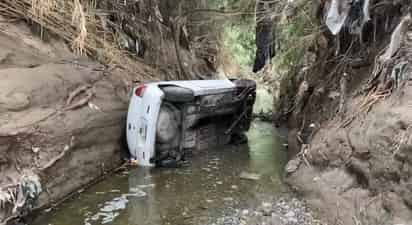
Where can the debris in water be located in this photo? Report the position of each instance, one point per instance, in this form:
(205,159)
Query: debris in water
(207,169)
(133,162)
(250,176)
(109,211)
(116,204)
(48,210)
(135,192)
(146,186)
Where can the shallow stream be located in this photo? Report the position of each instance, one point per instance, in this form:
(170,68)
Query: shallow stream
(216,184)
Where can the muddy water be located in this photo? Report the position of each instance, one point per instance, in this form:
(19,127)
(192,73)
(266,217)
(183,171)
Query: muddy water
(211,187)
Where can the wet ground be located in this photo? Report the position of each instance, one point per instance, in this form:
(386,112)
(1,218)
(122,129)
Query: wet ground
(217,184)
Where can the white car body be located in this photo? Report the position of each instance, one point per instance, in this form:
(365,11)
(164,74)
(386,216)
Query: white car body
(144,111)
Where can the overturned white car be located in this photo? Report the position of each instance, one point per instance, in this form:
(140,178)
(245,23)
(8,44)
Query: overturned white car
(167,121)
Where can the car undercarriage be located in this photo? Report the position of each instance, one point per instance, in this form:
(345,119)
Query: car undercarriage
(190,127)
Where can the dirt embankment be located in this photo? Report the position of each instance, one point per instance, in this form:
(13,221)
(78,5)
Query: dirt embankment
(351,116)
(60,120)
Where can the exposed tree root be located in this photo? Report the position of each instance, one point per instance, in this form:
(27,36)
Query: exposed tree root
(82,102)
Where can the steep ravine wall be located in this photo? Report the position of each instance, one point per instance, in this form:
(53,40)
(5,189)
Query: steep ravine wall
(50,146)
(350,117)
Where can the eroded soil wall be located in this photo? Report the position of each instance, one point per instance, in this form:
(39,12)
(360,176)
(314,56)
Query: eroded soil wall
(350,119)
(61,120)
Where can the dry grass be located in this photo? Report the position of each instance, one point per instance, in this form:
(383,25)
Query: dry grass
(79,21)
(74,21)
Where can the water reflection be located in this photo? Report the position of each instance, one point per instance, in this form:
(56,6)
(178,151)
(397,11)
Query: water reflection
(143,210)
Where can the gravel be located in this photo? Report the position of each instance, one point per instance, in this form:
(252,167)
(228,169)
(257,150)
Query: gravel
(282,212)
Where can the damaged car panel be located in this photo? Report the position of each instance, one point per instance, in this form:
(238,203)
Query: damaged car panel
(168,120)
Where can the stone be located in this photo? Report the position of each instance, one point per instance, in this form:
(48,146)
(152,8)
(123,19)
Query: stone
(245,212)
(293,165)
(276,219)
(250,176)
(290,214)
(333,95)
(267,209)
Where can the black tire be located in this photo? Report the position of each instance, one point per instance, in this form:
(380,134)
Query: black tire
(178,94)
(168,123)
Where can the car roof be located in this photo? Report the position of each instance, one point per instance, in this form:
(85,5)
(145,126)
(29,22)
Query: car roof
(201,87)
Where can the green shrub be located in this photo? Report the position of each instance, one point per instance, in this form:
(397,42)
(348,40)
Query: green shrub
(239,40)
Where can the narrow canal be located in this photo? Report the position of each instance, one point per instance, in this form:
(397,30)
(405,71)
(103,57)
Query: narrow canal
(216,184)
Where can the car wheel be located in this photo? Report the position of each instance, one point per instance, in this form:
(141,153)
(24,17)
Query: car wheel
(177,94)
(167,128)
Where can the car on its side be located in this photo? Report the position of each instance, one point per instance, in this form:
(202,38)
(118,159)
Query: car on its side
(168,120)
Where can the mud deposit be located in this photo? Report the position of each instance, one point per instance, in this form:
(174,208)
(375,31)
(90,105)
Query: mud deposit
(216,185)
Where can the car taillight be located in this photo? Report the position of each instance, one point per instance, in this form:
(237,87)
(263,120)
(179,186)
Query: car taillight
(140,90)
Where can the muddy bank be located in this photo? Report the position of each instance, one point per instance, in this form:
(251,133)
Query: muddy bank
(350,117)
(362,171)
(54,110)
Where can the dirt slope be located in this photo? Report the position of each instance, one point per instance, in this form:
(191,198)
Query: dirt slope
(47,132)
(351,120)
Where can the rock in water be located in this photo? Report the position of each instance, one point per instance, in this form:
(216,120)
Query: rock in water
(267,209)
(250,176)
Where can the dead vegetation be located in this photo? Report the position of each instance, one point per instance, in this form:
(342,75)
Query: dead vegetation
(82,26)
(78,25)
(345,54)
